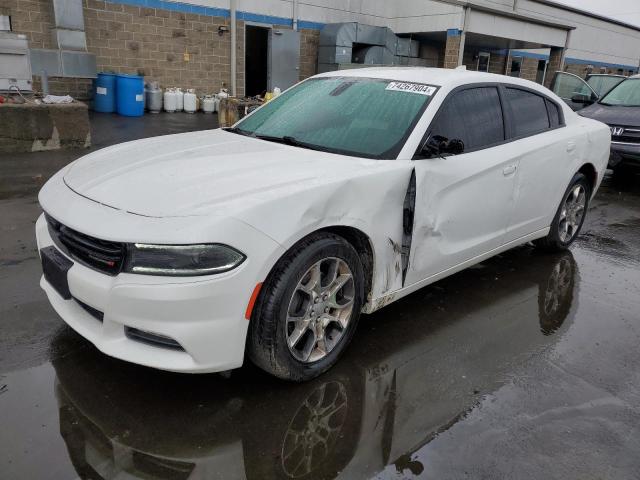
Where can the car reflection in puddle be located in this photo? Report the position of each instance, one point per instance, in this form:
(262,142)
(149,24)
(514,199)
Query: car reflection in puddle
(414,370)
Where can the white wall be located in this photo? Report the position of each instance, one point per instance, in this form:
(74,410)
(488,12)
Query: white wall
(593,40)
(505,27)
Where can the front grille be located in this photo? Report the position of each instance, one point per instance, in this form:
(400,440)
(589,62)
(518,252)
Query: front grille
(626,135)
(101,255)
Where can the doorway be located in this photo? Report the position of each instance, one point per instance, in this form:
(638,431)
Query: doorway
(256,58)
(516,66)
(484,59)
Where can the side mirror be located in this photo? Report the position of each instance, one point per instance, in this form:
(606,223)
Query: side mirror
(438,145)
(583,99)
(456,147)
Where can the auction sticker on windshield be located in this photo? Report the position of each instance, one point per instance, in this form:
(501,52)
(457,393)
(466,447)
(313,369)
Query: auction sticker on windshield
(418,88)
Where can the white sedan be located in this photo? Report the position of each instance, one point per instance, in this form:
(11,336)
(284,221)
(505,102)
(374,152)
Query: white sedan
(344,194)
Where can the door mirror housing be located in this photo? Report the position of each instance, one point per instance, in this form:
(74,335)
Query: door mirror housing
(584,99)
(438,146)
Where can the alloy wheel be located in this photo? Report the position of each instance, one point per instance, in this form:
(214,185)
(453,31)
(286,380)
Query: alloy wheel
(320,310)
(572,214)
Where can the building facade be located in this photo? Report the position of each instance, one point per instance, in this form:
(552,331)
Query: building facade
(189,43)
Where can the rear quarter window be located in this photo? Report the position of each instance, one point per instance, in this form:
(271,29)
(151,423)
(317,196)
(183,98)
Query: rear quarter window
(529,112)
(555,118)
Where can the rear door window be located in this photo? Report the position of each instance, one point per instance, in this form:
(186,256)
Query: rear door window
(474,116)
(529,112)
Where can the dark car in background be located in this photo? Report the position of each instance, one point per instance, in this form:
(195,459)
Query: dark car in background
(619,108)
(578,92)
(603,83)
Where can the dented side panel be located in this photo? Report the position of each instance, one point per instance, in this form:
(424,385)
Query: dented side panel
(462,209)
(371,202)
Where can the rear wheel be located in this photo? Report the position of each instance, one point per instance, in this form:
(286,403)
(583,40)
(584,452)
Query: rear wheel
(570,216)
(308,309)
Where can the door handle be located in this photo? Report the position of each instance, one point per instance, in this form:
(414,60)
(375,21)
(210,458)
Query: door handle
(510,170)
(571,146)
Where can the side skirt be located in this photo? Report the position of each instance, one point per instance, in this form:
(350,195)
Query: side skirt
(378,303)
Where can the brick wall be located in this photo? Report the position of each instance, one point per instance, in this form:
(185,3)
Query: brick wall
(173,48)
(497,63)
(32,18)
(580,70)
(80,88)
(529,69)
(555,59)
(309,40)
(451,51)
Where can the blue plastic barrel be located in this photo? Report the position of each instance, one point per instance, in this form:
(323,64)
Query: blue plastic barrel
(104,93)
(129,95)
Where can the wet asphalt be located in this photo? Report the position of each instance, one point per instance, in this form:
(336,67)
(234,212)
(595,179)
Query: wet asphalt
(526,366)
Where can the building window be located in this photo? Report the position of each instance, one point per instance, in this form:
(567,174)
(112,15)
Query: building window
(483,61)
(5,23)
(516,66)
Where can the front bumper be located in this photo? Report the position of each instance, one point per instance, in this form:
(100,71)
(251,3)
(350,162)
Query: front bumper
(204,315)
(627,153)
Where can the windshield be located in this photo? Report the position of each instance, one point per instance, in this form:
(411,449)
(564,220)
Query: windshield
(627,94)
(363,117)
(602,84)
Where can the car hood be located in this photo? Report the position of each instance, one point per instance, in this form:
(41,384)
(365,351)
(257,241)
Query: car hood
(201,173)
(614,116)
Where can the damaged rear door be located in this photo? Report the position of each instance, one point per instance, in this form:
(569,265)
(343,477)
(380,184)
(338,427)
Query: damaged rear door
(463,198)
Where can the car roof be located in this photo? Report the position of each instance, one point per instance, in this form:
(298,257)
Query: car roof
(604,75)
(441,77)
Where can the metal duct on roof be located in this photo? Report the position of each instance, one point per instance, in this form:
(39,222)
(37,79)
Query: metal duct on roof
(357,43)
(70,57)
(68,33)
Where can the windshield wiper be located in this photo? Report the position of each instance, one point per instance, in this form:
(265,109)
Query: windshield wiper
(292,141)
(239,131)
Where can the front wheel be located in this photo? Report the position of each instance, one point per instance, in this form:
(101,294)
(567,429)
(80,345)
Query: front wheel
(308,309)
(570,216)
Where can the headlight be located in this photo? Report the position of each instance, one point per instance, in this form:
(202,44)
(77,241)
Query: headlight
(182,260)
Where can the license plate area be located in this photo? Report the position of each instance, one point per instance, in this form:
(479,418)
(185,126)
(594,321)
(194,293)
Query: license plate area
(55,267)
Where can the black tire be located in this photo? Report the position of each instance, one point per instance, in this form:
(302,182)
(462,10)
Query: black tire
(266,342)
(552,242)
(624,175)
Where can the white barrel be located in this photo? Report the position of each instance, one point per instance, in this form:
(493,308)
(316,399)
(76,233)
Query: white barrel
(190,101)
(170,100)
(208,104)
(179,100)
